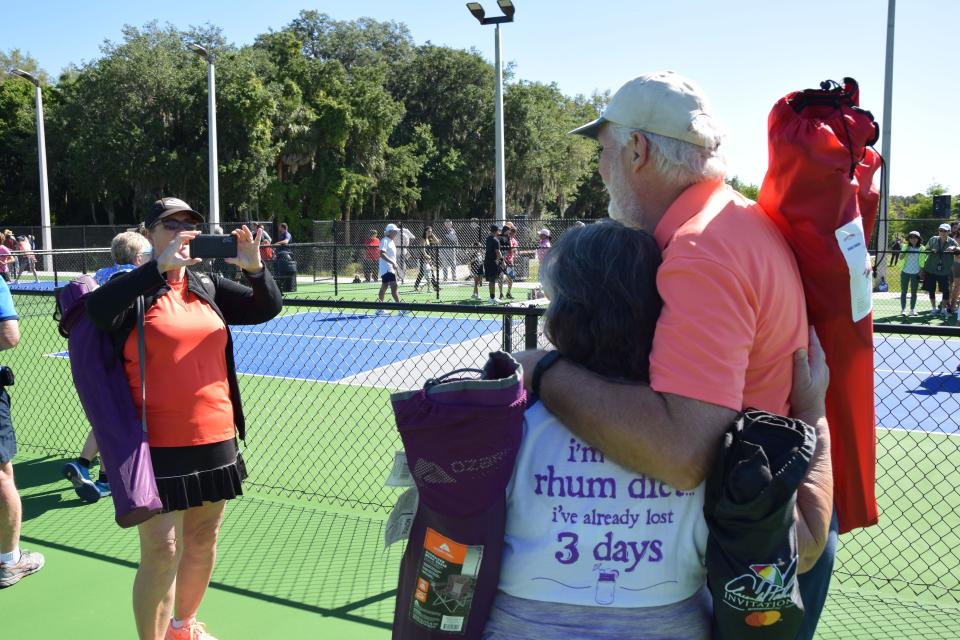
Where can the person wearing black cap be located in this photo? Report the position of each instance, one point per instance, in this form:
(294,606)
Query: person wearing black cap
(192,403)
(910,273)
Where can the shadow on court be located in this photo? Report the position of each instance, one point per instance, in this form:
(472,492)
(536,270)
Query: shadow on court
(940,383)
(329,563)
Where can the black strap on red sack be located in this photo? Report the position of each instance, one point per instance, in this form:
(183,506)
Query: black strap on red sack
(841,97)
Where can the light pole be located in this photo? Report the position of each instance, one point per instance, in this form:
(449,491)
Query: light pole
(214,212)
(885,146)
(506,6)
(45,234)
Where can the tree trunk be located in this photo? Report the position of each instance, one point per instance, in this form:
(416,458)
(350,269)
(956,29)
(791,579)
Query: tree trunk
(346,224)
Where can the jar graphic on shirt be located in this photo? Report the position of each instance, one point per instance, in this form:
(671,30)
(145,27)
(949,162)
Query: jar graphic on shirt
(606,586)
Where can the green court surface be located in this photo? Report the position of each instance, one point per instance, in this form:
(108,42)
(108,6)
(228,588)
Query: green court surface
(302,556)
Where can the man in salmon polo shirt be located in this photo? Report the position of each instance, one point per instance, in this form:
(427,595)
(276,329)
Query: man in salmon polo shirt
(733,312)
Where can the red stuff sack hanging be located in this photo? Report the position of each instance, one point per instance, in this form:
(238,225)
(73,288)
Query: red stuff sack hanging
(819,191)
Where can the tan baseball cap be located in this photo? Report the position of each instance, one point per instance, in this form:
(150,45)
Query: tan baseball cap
(663,102)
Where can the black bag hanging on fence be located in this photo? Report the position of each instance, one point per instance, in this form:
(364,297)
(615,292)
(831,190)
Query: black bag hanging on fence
(752,544)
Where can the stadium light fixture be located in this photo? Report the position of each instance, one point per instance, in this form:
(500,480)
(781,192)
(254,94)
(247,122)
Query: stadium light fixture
(477,11)
(212,130)
(45,232)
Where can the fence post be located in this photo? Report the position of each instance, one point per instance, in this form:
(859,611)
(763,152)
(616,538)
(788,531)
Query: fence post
(336,286)
(530,332)
(53,263)
(508,333)
(436,271)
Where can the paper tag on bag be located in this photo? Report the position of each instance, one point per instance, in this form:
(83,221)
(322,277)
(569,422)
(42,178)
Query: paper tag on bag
(853,246)
(401,518)
(400,475)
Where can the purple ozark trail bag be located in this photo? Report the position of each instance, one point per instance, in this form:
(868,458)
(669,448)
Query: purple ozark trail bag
(104,392)
(461,437)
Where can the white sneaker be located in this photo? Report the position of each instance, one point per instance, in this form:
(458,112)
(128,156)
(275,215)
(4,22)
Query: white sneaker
(912,312)
(494,301)
(382,312)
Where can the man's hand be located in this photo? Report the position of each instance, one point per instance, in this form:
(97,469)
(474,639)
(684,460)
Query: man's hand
(810,380)
(248,250)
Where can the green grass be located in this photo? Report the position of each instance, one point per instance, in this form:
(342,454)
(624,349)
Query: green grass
(283,569)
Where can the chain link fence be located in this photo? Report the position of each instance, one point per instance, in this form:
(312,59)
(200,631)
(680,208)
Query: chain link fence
(316,382)
(322,271)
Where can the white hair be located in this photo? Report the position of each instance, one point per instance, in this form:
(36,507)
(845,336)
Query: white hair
(679,162)
(126,246)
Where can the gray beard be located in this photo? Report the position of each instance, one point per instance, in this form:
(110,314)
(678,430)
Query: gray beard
(624,205)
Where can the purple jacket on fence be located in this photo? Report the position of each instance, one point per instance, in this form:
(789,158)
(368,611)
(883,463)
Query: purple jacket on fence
(104,392)
(461,437)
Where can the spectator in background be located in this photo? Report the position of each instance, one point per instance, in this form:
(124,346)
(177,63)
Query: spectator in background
(15,563)
(405,244)
(448,257)
(28,260)
(476,269)
(492,261)
(939,268)
(895,248)
(11,245)
(283,237)
(910,273)
(425,254)
(266,251)
(508,246)
(477,229)
(129,250)
(544,245)
(371,255)
(5,260)
(266,236)
(388,265)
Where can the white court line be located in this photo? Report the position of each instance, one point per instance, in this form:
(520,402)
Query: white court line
(324,336)
(923,431)
(913,371)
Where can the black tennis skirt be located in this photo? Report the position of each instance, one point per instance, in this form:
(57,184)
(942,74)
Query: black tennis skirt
(189,476)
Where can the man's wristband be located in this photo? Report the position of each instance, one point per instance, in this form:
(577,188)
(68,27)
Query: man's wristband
(545,363)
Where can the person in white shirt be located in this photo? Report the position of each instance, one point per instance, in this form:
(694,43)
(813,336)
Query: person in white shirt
(583,533)
(388,264)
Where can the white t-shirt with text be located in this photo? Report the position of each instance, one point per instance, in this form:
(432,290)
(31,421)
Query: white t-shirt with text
(582,530)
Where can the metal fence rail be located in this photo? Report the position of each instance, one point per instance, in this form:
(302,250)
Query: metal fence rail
(315,384)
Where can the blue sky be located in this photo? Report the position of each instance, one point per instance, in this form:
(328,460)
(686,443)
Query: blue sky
(745,53)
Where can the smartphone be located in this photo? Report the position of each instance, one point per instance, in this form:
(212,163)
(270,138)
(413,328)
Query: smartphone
(213,246)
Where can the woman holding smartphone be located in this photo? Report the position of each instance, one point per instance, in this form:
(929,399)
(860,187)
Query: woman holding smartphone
(193,405)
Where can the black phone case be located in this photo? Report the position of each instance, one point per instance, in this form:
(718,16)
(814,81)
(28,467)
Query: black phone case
(213,246)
